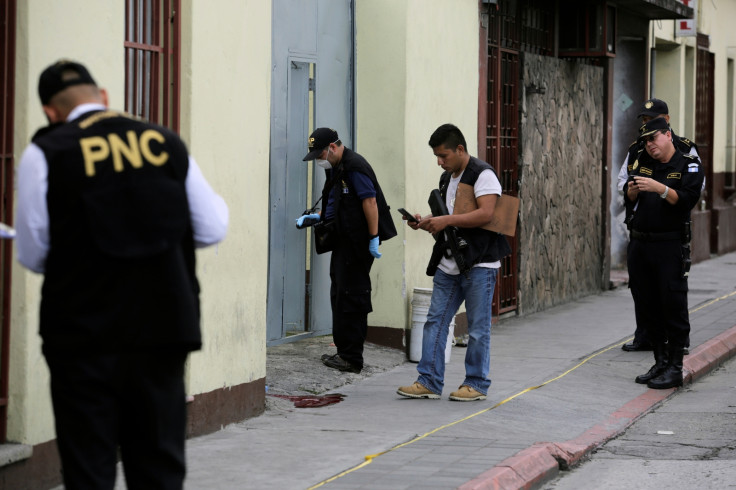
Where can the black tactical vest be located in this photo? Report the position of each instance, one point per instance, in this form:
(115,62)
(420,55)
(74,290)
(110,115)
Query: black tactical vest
(483,245)
(120,271)
(349,213)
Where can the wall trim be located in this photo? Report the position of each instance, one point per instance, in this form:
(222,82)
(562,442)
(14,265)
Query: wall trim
(210,412)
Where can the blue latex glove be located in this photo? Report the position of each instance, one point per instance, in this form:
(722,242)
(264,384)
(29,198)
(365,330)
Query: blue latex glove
(300,219)
(373,247)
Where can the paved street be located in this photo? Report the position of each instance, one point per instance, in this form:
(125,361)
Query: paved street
(562,387)
(688,442)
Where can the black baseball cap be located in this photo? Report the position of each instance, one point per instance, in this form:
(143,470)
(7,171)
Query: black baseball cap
(654,108)
(60,75)
(656,124)
(319,140)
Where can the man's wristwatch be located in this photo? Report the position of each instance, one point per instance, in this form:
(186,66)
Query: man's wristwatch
(664,194)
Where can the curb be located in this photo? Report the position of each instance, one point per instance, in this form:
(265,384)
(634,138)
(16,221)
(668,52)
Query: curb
(541,462)
(709,355)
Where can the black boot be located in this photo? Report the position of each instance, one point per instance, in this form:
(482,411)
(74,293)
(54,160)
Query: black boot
(672,375)
(660,363)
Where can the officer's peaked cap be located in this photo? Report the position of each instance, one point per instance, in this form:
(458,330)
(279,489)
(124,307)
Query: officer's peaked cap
(656,124)
(654,108)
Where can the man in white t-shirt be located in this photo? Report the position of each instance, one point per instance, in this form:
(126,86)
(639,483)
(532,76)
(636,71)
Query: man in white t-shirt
(470,277)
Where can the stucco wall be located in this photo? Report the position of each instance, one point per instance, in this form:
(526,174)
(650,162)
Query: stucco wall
(418,71)
(47,31)
(380,87)
(560,244)
(225,114)
(677,61)
(226,121)
(715,20)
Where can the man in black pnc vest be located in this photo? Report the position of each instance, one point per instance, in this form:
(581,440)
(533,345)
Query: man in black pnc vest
(110,210)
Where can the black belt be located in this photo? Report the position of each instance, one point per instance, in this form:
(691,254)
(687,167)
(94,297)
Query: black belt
(655,237)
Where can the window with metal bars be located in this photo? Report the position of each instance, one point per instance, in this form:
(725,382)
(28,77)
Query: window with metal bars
(588,29)
(152,60)
(523,25)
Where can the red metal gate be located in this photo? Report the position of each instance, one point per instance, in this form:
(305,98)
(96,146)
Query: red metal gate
(506,31)
(704,100)
(704,86)
(7,83)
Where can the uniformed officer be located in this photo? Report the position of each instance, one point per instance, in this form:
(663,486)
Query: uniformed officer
(636,153)
(110,210)
(664,190)
(355,205)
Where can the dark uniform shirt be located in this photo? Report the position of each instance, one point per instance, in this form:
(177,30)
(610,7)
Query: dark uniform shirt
(684,174)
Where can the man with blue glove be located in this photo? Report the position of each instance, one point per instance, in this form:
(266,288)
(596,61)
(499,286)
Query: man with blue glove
(354,203)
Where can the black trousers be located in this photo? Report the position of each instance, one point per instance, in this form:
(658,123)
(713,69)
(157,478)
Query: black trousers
(350,297)
(659,291)
(131,401)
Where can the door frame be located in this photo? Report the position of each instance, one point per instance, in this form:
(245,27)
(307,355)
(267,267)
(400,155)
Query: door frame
(7,114)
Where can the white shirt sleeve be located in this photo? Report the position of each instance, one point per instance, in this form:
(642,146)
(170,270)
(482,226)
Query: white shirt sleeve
(209,212)
(487,183)
(694,153)
(32,215)
(623,174)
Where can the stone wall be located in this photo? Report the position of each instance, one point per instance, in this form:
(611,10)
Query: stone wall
(560,170)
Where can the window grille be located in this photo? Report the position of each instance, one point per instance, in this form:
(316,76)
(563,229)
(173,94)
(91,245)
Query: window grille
(152,60)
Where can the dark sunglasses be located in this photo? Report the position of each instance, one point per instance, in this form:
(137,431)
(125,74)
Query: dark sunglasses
(651,137)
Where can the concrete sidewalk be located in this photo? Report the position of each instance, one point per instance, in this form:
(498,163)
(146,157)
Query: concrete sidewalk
(561,387)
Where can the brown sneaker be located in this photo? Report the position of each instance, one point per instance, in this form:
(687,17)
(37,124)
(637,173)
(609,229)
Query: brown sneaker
(466,394)
(416,391)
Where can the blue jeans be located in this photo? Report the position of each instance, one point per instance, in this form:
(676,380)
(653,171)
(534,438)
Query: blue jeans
(448,294)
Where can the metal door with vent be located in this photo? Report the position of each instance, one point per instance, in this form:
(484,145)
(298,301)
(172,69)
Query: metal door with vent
(311,86)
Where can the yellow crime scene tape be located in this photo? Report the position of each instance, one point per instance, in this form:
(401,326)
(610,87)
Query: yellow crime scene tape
(371,457)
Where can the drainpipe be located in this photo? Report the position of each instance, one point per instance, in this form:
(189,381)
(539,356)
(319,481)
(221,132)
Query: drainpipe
(652,59)
(652,64)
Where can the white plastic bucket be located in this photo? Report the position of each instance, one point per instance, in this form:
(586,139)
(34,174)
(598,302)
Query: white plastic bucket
(419,309)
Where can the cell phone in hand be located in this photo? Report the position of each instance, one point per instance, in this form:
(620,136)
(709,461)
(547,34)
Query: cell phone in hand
(408,215)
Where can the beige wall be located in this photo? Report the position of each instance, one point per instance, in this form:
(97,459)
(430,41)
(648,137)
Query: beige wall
(42,38)
(714,19)
(717,21)
(225,123)
(417,71)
